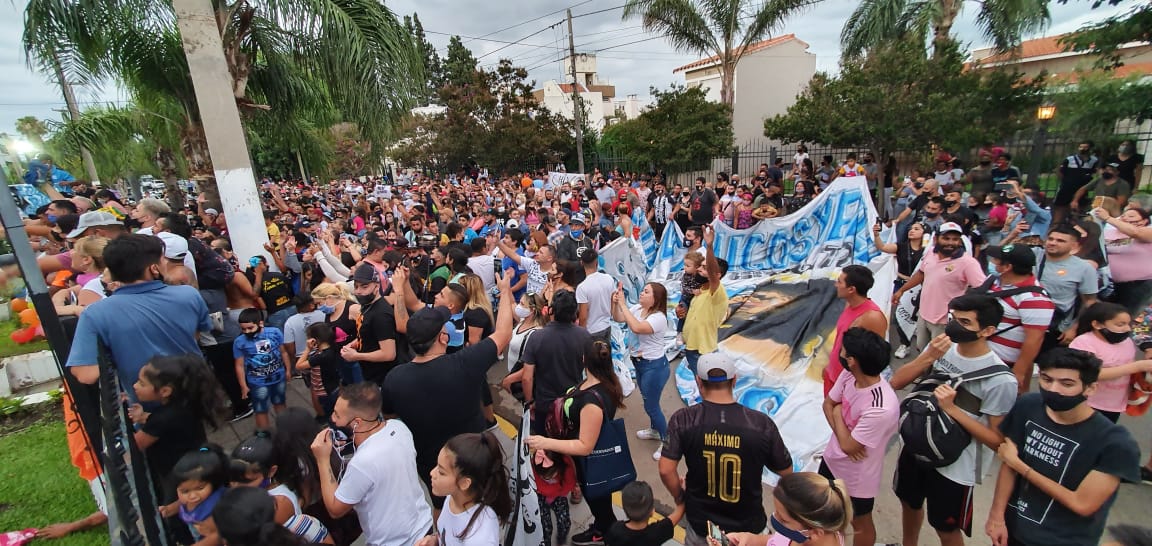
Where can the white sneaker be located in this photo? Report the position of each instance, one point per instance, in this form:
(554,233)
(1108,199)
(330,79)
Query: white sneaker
(648,434)
(901,351)
(656,454)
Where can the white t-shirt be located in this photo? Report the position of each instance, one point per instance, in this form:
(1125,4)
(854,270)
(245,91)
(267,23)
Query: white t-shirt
(382,484)
(485,530)
(596,291)
(484,267)
(651,345)
(96,285)
(295,327)
(516,346)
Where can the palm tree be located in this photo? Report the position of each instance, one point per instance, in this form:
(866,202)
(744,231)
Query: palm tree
(291,62)
(876,22)
(33,129)
(715,28)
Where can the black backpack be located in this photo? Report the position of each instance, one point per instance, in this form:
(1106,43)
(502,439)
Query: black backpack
(931,436)
(985,289)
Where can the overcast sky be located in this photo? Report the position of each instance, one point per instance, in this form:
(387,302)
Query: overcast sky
(631,68)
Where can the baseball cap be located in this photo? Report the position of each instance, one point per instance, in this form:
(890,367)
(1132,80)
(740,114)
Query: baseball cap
(96,218)
(578,218)
(212,211)
(424,325)
(365,274)
(1020,255)
(512,224)
(716,361)
(950,226)
(175,246)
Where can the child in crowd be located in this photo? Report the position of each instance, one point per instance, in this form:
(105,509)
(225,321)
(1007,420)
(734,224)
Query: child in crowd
(809,508)
(470,472)
(639,507)
(244,517)
(744,218)
(555,479)
(864,413)
(185,396)
(201,477)
(254,465)
(689,287)
(260,356)
(323,362)
(1105,330)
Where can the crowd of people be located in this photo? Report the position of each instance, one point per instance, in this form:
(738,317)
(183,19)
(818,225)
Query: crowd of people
(392,299)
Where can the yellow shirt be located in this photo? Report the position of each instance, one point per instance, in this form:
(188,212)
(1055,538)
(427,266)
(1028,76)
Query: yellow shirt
(273,234)
(705,315)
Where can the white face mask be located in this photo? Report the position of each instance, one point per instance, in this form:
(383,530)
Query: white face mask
(522,312)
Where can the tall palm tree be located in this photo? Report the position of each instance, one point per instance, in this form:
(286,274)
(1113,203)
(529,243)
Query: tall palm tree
(33,129)
(1002,22)
(290,60)
(715,28)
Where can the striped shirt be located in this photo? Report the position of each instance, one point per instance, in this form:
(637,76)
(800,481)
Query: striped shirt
(1022,312)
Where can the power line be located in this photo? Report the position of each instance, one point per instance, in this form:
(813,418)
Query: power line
(489,39)
(532,20)
(621,6)
(629,43)
(501,48)
(608,31)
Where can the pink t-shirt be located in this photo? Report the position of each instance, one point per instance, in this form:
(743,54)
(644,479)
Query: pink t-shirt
(944,279)
(850,314)
(1128,257)
(1111,395)
(873,416)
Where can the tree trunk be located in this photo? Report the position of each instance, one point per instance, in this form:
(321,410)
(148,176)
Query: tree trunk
(949,10)
(166,162)
(223,133)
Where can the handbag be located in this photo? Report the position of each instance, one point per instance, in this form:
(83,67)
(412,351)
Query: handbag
(609,467)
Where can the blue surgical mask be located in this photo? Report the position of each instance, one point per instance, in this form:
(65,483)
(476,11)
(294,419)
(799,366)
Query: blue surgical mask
(791,534)
(577,233)
(51,218)
(326,309)
(455,337)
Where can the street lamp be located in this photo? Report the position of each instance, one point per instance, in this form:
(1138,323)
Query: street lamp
(1044,113)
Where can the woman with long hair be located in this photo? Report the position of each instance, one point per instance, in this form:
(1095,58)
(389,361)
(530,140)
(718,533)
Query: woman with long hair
(530,312)
(908,253)
(594,402)
(339,309)
(648,320)
(478,317)
(1128,243)
(810,509)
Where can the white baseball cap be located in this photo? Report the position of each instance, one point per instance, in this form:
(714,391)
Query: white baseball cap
(716,361)
(175,246)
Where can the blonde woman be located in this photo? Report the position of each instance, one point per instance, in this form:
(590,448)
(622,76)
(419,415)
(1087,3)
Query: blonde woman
(478,317)
(809,508)
(340,311)
(88,258)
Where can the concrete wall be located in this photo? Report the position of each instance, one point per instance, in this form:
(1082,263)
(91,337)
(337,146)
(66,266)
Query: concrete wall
(559,102)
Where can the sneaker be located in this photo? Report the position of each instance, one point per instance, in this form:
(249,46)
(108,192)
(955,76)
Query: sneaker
(901,351)
(1146,475)
(656,454)
(648,434)
(591,537)
(242,415)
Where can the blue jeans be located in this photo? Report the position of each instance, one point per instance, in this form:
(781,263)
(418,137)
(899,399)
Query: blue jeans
(651,375)
(263,397)
(691,357)
(276,320)
(350,373)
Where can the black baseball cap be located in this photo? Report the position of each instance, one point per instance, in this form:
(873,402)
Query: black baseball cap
(365,274)
(424,325)
(1019,255)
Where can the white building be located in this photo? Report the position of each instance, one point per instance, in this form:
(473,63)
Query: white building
(557,98)
(598,96)
(768,78)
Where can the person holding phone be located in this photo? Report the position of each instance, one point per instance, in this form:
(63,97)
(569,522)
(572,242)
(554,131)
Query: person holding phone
(648,319)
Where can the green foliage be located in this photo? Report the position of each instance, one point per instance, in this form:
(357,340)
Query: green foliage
(682,131)
(11,348)
(11,406)
(898,98)
(460,66)
(1098,100)
(433,66)
(1105,37)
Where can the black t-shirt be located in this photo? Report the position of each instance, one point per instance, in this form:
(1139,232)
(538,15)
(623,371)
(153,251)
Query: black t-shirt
(329,363)
(1127,167)
(998,175)
(907,258)
(725,447)
(438,399)
(968,218)
(704,207)
(557,352)
(570,249)
(655,534)
(378,323)
(274,290)
(596,395)
(177,432)
(478,318)
(1065,454)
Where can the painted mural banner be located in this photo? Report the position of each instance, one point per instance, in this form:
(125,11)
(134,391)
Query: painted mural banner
(555,180)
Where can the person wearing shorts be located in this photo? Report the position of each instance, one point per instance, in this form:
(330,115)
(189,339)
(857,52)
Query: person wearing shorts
(260,356)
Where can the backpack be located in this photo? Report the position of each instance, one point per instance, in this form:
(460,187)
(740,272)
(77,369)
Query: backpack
(556,423)
(931,436)
(985,289)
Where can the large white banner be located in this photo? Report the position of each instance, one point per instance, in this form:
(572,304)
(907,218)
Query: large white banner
(555,180)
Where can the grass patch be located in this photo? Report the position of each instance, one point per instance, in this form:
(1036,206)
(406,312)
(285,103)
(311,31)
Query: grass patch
(10,348)
(39,485)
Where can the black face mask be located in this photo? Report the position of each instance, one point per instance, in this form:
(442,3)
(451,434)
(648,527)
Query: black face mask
(1113,337)
(843,362)
(252,335)
(1061,402)
(365,299)
(985,163)
(688,243)
(950,204)
(931,214)
(1107,176)
(959,334)
(918,185)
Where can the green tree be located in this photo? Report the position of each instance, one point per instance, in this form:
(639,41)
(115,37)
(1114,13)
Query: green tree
(877,22)
(715,28)
(1106,37)
(682,131)
(900,99)
(433,66)
(33,129)
(460,65)
(1097,100)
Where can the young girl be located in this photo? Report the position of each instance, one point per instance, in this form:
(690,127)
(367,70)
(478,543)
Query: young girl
(1105,330)
(322,362)
(201,477)
(744,218)
(555,479)
(186,397)
(470,472)
(254,465)
(244,517)
(809,509)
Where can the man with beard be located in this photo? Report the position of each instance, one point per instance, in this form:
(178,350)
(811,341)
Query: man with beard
(948,272)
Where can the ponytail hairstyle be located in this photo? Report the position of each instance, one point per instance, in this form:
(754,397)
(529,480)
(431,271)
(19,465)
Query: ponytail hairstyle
(246,516)
(207,464)
(194,386)
(598,362)
(296,467)
(256,454)
(480,458)
(537,303)
(817,502)
(1100,311)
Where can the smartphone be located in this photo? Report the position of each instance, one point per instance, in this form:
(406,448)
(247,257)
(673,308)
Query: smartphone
(1003,186)
(715,533)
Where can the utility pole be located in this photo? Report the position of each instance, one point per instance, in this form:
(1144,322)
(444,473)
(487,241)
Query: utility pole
(577,111)
(239,196)
(74,114)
